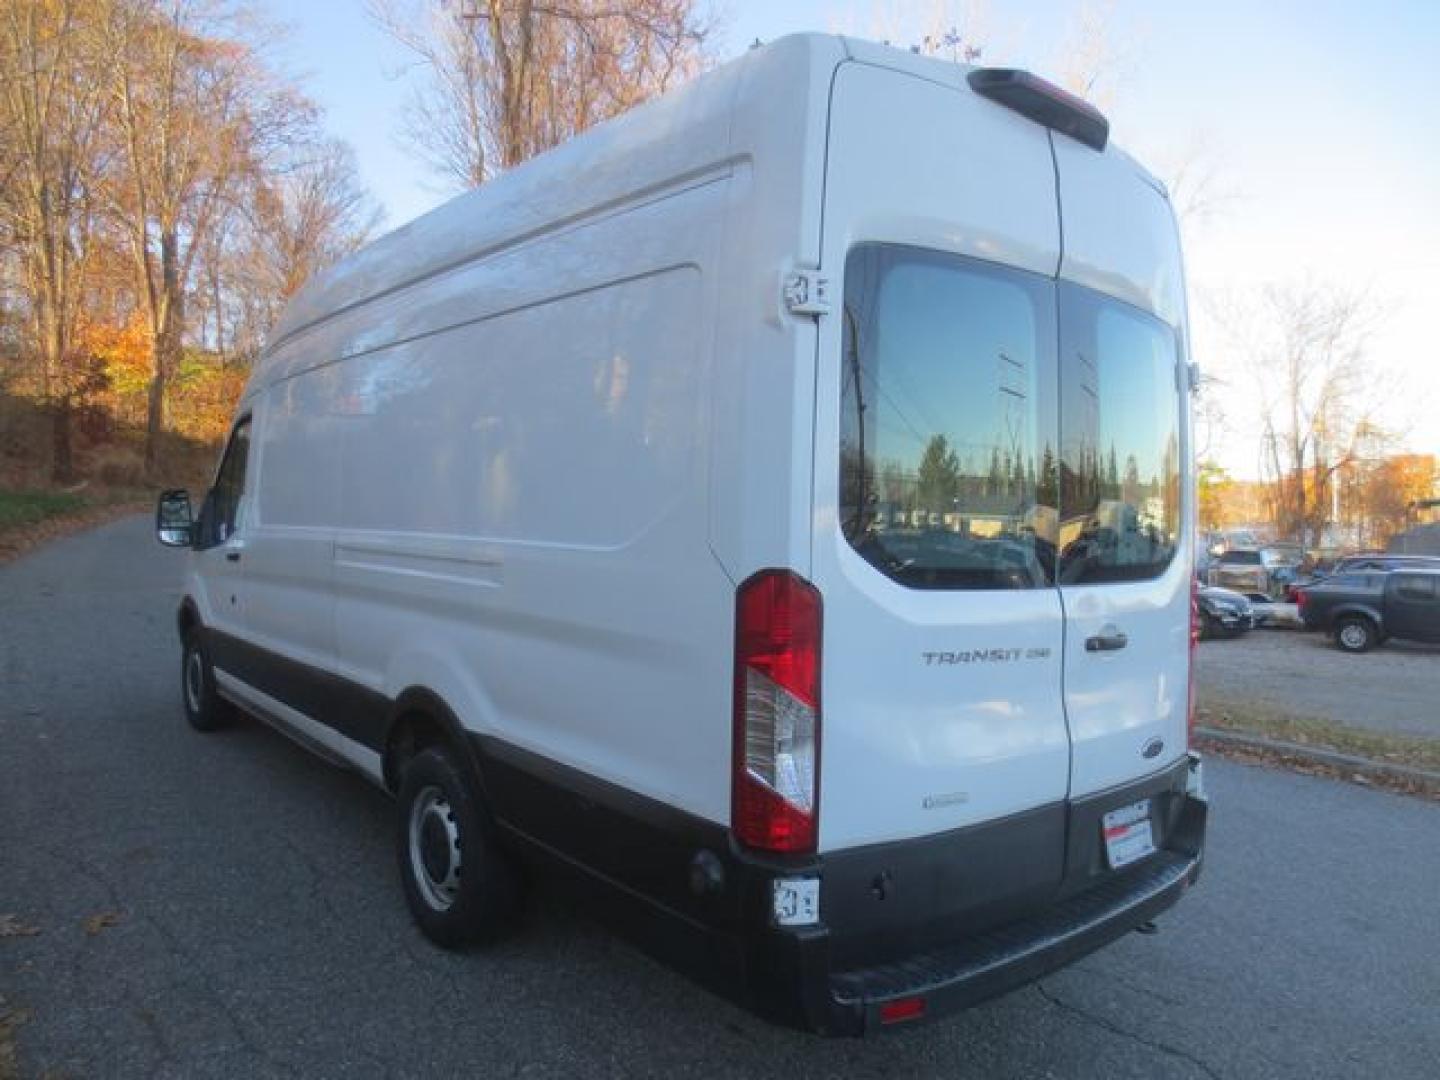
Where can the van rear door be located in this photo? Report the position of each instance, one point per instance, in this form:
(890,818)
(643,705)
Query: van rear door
(935,481)
(1124,565)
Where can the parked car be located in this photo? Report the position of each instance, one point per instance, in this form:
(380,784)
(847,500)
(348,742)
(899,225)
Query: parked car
(1253,570)
(531,511)
(1371,561)
(1362,610)
(1223,612)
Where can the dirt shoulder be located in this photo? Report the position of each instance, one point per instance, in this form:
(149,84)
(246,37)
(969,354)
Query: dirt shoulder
(30,519)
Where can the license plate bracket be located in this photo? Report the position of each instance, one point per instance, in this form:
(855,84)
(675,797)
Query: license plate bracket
(1128,834)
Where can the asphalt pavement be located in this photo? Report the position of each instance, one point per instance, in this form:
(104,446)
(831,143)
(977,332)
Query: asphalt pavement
(175,904)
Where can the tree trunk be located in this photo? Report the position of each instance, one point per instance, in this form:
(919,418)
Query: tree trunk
(62,466)
(167,344)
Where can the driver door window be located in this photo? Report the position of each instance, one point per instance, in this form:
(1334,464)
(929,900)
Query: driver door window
(227,497)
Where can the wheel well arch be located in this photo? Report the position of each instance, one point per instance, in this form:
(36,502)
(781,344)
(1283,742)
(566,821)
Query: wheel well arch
(187,618)
(1357,611)
(420,719)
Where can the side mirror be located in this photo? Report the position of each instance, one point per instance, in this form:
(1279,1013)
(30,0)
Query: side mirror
(174,523)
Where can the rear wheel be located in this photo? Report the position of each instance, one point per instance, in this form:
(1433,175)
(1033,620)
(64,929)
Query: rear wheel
(461,890)
(1356,634)
(205,709)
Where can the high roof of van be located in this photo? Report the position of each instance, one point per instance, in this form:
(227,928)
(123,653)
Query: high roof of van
(722,115)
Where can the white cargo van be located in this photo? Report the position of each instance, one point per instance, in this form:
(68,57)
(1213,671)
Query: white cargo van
(773,509)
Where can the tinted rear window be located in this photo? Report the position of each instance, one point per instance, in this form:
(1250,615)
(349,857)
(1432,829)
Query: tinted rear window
(1120,433)
(967,459)
(948,465)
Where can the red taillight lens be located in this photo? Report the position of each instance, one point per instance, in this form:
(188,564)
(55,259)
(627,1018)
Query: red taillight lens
(1301,599)
(774,797)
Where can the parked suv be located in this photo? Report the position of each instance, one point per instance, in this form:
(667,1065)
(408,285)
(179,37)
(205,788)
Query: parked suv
(1351,564)
(1253,570)
(1363,610)
(1223,613)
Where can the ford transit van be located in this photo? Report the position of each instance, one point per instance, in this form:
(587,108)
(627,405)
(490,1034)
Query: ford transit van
(772,510)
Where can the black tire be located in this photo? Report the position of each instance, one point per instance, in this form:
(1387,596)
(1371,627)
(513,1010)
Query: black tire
(461,889)
(1356,634)
(205,709)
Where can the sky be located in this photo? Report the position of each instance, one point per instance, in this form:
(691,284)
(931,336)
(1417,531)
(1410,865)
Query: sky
(1315,120)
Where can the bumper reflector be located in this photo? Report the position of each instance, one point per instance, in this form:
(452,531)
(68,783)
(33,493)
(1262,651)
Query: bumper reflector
(902,1009)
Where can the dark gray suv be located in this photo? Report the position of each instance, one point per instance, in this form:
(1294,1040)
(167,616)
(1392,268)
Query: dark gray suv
(1362,610)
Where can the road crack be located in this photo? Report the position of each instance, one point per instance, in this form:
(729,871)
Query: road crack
(1115,1029)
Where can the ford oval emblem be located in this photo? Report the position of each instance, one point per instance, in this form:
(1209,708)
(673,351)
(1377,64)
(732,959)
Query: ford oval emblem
(1152,748)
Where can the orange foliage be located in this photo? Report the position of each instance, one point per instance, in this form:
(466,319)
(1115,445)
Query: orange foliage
(123,353)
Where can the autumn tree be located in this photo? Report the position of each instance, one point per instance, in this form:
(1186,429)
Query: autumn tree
(53,113)
(1302,352)
(504,80)
(197,112)
(290,223)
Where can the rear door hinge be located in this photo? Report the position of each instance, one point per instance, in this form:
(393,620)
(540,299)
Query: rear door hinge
(806,292)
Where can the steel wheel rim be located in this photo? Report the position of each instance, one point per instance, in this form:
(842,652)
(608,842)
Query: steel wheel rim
(434,846)
(1352,636)
(194,680)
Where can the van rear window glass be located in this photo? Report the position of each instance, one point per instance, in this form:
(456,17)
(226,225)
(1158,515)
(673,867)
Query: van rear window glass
(947,478)
(1120,439)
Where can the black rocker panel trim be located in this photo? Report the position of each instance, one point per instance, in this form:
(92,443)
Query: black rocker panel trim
(351,709)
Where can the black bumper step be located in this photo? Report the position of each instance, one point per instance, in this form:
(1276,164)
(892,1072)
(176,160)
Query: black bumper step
(995,962)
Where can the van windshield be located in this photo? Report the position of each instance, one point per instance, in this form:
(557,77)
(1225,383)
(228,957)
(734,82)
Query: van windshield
(967,461)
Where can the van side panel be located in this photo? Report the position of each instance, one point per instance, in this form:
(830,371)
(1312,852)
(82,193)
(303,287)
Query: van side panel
(764,390)
(522,504)
(292,531)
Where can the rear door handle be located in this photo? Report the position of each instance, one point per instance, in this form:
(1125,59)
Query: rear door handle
(232,556)
(1107,640)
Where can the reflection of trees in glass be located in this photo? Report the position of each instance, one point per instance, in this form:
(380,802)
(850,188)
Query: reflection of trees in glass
(1130,491)
(1047,490)
(857,487)
(939,476)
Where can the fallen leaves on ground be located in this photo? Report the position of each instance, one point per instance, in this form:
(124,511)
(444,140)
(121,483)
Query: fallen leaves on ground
(11,1020)
(17,540)
(1309,767)
(102,921)
(11,926)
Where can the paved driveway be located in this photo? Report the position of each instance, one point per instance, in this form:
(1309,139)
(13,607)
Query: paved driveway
(244,919)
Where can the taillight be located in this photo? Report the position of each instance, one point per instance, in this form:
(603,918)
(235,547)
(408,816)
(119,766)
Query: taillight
(1301,599)
(1194,641)
(775,789)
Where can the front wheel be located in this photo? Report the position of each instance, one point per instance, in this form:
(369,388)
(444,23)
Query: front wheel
(205,709)
(1356,634)
(460,889)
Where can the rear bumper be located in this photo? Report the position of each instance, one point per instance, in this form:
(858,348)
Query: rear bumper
(966,969)
(974,970)
(954,918)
